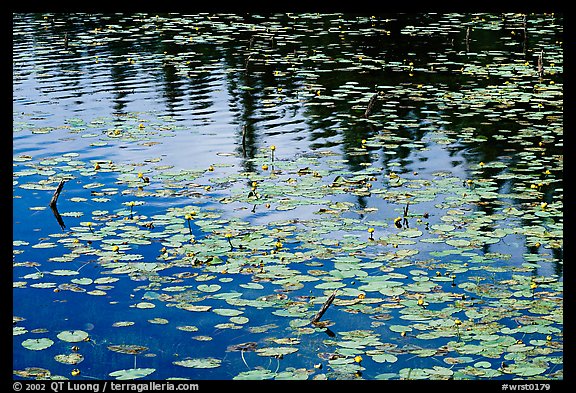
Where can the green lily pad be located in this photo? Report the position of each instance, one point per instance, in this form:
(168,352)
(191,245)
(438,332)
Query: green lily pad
(276,351)
(123,323)
(410,233)
(414,373)
(228,312)
(72,336)
(132,373)
(73,358)
(239,320)
(37,344)
(384,358)
(144,305)
(128,349)
(199,363)
(257,375)
(209,288)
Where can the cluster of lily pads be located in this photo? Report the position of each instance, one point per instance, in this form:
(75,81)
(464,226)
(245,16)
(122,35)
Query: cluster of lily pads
(438,274)
(381,276)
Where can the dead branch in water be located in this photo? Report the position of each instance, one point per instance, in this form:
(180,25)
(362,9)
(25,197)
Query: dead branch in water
(325,306)
(53,204)
(57,193)
(371,104)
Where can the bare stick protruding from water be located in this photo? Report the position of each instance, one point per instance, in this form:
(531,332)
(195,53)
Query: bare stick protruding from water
(53,204)
(541,63)
(371,104)
(57,193)
(325,306)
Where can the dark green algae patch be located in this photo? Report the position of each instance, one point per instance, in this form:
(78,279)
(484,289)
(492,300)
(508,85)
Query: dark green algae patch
(438,273)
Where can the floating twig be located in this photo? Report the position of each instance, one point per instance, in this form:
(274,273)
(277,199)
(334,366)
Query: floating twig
(325,306)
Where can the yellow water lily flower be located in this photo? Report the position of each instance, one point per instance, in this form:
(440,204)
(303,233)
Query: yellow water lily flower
(358,359)
(371,232)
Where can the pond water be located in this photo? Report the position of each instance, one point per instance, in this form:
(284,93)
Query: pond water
(225,174)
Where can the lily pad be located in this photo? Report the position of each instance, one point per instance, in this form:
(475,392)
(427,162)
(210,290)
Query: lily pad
(199,363)
(72,336)
(37,344)
(229,312)
(73,358)
(276,351)
(129,349)
(132,373)
(209,288)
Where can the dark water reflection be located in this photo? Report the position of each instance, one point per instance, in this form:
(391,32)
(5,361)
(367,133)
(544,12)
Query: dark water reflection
(298,81)
(208,84)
